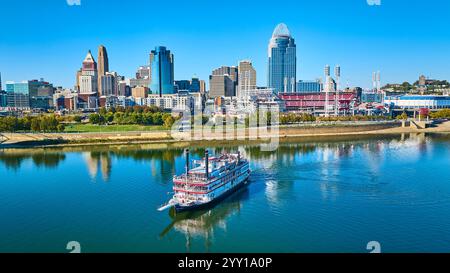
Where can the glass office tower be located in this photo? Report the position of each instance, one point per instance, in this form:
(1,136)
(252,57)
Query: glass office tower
(162,71)
(282,76)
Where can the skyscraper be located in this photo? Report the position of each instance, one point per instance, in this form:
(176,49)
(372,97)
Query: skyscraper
(143,72)
(202,86)
(162,71)
(229,89)
(221,86)
(109,84)
(78,77)
(282,70)
(89,79)
(247,77)
(192,86)
(103,66)
(195,85)
(18,94)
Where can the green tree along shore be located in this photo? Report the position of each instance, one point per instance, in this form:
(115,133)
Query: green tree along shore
(443,114)
(137,115)
(43,123)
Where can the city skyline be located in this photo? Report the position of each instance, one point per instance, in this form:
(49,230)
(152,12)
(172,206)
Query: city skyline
(398,49)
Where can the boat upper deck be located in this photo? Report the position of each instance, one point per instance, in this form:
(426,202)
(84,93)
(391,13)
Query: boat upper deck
(216,166)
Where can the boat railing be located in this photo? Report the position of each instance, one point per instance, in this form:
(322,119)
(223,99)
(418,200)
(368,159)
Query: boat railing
(191,178)
(190,188)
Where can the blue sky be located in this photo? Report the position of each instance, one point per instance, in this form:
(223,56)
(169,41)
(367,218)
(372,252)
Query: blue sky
(401,38)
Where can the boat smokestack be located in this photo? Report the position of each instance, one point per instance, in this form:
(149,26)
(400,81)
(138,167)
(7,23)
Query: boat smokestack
(239,157)
(207,164)
(187,162)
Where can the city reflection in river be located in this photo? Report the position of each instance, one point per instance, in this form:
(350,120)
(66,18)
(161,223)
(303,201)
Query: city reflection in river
(305,191)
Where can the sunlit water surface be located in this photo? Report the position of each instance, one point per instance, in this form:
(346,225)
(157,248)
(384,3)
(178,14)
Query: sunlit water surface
(322,196)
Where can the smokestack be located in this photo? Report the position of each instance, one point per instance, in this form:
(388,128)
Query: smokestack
(239,157)
(187,162)
(207,164)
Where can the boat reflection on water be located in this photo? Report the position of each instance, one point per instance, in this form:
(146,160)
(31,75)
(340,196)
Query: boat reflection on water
(201,224)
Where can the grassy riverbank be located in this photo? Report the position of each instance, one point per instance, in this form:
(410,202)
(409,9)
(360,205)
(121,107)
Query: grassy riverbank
(84,135)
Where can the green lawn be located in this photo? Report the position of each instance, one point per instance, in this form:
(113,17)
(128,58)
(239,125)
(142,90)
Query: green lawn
(90,128)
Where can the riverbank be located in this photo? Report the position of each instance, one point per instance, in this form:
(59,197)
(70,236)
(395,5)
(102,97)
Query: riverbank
(27,140)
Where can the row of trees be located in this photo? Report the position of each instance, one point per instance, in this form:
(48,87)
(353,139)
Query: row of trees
(296,118)
(442,114)
(124,118)
(291,118)
(44,123)
(353,118)
(130,109)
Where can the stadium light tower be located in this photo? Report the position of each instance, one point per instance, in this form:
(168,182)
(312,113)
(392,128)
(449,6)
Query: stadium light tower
(337,73)
(327,89)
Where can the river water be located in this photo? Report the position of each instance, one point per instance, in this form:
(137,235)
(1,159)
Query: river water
(321,195)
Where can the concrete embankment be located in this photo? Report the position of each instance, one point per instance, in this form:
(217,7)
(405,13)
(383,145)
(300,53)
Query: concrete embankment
(308,130)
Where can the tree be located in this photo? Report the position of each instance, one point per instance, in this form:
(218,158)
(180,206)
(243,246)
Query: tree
(424,112)
(109,117)
(403,116)
(61,127)
(102,111)
(94,118)
(157,119)
(169,121)
(442,114)
(147,118)
(35,125)
(120,109)
(8,124)
(406,86)
(77,119)
(137,109)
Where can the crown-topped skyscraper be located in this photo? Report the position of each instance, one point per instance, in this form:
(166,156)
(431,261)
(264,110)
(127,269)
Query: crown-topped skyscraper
(282,53)
(89,77)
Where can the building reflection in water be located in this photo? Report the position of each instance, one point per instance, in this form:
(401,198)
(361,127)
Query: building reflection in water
(201,225)
(96,161)
(409,147)
(13,160)
(162,162)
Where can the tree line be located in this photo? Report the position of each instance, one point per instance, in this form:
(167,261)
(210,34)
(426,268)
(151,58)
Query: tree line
(441,114)
(43,123)
(292,118)
(138,115)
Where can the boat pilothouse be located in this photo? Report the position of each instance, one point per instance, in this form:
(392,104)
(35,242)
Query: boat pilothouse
(208,181)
